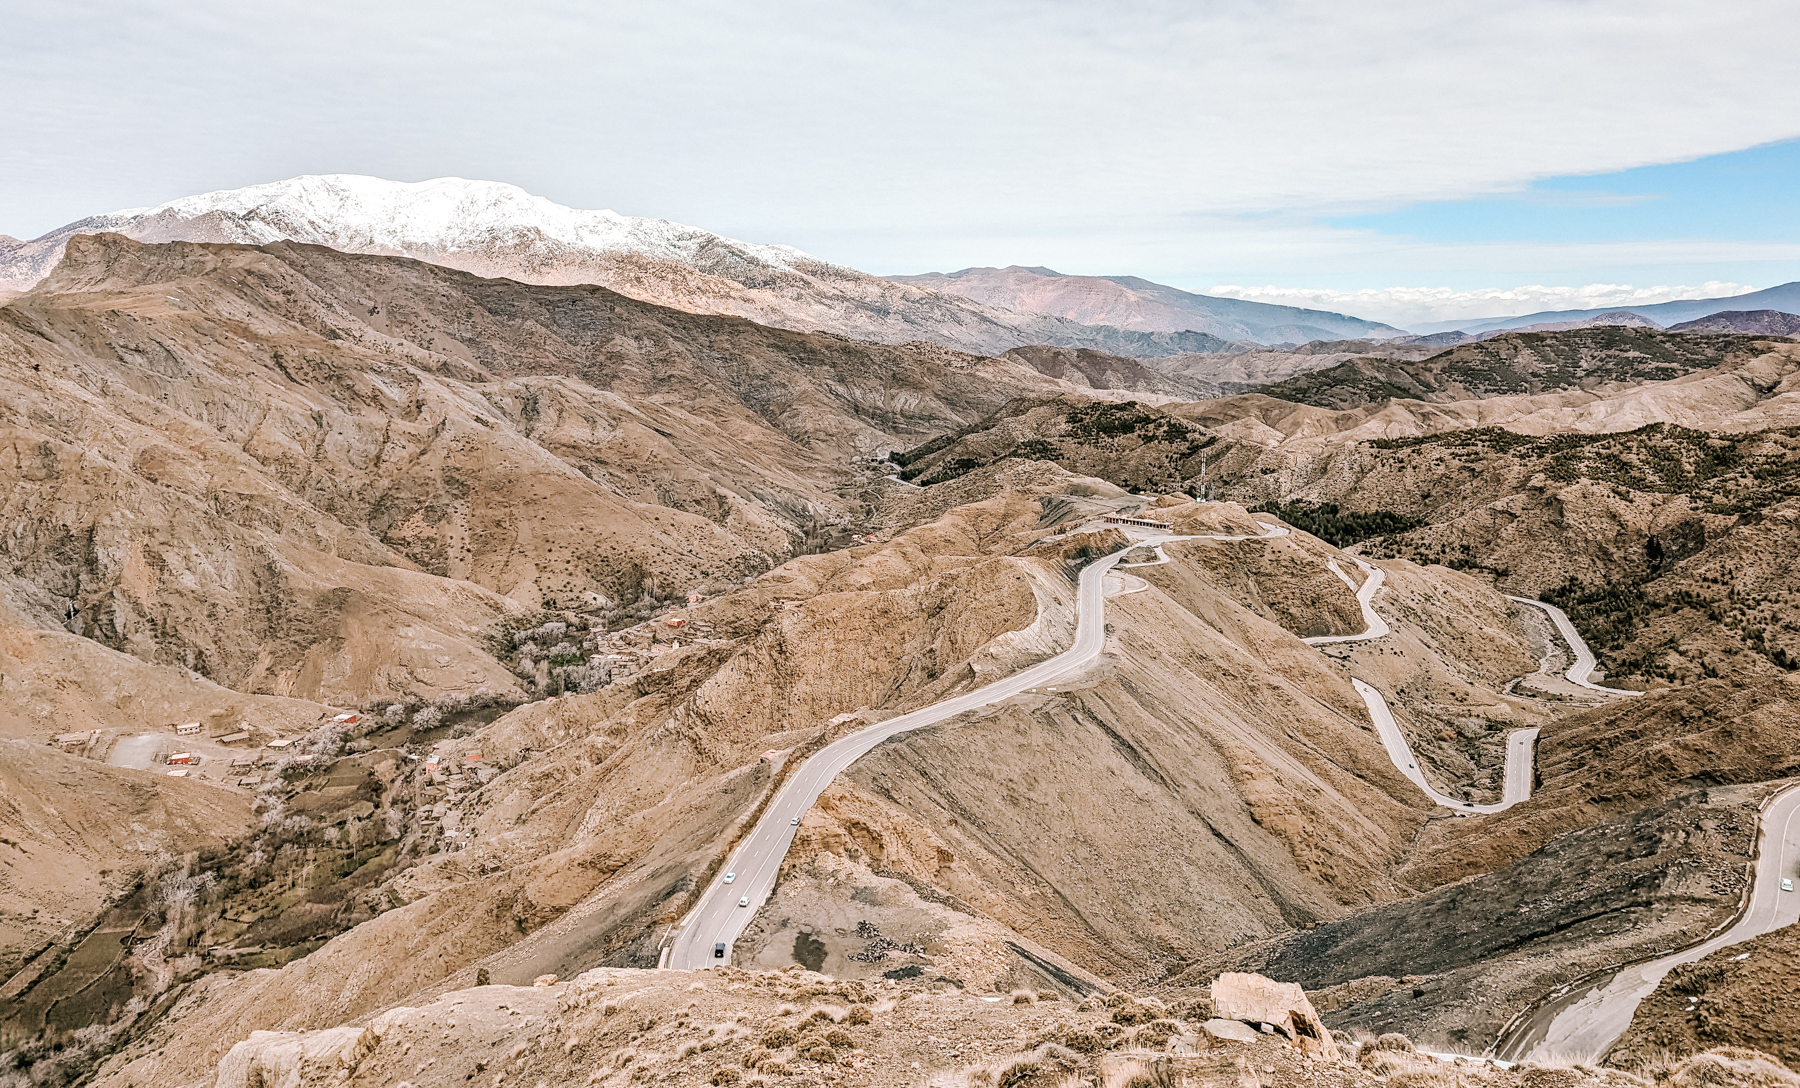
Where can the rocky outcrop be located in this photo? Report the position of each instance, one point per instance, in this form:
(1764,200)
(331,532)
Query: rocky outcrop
(1254,999)
(279,1059)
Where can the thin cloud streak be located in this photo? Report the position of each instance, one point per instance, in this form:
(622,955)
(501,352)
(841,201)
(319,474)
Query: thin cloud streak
(1419,305)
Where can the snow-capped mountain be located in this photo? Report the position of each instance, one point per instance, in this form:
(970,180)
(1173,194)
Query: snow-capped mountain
(497,230)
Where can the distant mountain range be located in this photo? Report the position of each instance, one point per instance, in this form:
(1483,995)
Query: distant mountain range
(1785,298)
(1758,322)
(501,231)
(1128,302)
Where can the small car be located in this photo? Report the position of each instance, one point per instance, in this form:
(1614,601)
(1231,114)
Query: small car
(1787,885)
(719,951)
(744,902)
(729,877)
(795,821)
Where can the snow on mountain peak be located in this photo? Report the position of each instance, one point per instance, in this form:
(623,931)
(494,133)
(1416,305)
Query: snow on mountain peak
(443,215)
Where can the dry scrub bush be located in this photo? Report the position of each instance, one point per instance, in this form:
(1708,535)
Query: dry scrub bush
(774,1067)
(786,1010)
(1393,1040)
(1425,1078)
(1138,1011)
(778,1037)
(859,1014)
(823,1054)
(1155,1034)
(840,1038)
(823,1014)
(1141,1074)
(1084,1042)
(726,1075)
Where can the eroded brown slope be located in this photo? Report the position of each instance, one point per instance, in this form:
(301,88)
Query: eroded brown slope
(615,805)
(302,472)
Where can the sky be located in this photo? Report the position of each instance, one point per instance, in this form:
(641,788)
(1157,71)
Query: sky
(1404,161)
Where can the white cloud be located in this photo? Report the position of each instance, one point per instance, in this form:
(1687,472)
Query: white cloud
(1403,306)
(1066,124)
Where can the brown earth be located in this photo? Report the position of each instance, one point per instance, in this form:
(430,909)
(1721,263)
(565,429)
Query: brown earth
(1451,967)
(727,1026)
(612,807)
(305,473)
(1521,361)
(75,835)
(361,475)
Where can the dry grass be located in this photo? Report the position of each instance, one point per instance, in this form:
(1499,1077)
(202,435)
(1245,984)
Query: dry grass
(1736,1066)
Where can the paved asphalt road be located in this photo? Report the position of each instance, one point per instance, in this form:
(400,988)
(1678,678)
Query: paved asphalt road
(1520,743)
(1582,1026)
(1374,625)
(1584,658)
(719,918)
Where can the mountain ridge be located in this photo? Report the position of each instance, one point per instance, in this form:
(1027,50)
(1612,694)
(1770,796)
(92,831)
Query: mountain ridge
(1783,297)
(497,230)
(1138,304)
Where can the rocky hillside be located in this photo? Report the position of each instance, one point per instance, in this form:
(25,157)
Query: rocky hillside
(1099,370)
(1134,445)
(497,230)
(1741,995)
(306,473)
(602,574)
(1518,363)
(1242,367)
(1757,322)
(613,1027)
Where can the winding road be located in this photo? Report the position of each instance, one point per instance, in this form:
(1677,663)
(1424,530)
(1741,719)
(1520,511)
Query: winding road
(1584,664)
(1583,1025)
(1580,1025)
(725,909)
(1520,743)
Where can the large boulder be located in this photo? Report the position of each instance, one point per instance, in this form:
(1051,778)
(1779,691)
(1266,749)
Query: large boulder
(1258,1000)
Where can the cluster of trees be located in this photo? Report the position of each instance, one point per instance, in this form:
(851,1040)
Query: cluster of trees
(1337,527)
